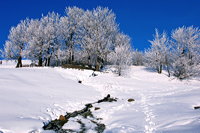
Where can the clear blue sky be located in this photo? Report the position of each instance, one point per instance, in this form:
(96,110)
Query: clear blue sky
(137,18)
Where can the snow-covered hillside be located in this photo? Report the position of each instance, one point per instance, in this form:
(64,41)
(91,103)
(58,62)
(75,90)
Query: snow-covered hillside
(31,96)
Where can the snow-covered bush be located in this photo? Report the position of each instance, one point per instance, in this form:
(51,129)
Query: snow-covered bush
(182,68)
(137,58)
(186,52)
(121,56)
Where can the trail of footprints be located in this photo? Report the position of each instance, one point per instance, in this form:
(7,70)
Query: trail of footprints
(149,116)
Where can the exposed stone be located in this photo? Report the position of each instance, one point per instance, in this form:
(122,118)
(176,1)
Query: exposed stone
(62,118)
(96,108)
(86,113)
(107,99)
(131,100)
(94,74)
(197,107)
(54,125)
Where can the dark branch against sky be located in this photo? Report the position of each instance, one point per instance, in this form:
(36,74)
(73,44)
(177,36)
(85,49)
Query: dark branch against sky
(137,18)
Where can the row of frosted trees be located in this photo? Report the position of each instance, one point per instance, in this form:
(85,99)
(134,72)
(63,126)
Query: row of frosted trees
(89,37)
(179,54)
(93,38)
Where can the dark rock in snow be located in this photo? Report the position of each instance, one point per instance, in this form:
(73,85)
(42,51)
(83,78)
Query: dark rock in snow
(94,74)
(96,108)
(89,105)
(62,118)
(55,125)
(131,100)
(107,99)
(86,113)
(197,107)
(80,81)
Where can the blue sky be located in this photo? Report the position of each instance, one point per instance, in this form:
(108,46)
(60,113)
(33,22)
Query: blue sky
(137,18)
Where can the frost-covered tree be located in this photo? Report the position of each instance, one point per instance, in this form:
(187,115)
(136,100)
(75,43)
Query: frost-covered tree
(10,50)
(186,51)
(98,31)
(44,39)
(64,32)
(121,57)
(69,29)
(158,55)
(84,37)
(36,40)
(137,58)
(1,53)
(51,36)
(17,41)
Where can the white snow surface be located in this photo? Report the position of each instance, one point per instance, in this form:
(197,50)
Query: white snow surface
(31,96)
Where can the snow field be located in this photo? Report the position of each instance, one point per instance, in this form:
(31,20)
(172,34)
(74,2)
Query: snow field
(31,96)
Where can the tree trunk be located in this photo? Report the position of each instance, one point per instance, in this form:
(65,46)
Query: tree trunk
(157,69)
(40,61)
(57,62)
(45,64)
(97,67)
(71,55)
(19,62)
(48,61)
(119,71)
(160,69)
(168,71)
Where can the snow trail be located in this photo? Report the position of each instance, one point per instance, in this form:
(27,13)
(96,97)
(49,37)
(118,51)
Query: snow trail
(149,116)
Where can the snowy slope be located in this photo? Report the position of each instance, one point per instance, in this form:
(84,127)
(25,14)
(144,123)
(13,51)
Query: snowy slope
(30,96)
(163,105)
